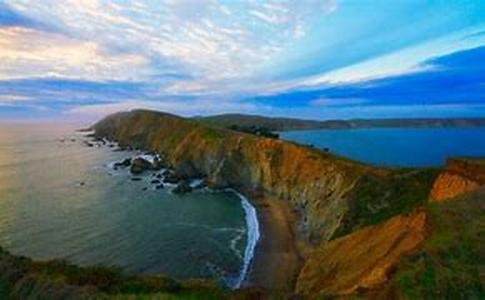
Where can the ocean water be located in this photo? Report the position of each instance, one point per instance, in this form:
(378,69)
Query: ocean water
(405,147)
(61,199)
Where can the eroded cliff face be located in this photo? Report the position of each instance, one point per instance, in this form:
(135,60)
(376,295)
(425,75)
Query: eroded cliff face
(363,260)
(316,183)
(432,252)
(460,176)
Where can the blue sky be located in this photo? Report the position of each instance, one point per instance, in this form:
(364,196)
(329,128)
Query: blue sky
(81,59)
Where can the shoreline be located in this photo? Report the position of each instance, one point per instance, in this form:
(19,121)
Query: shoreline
(272,258)
(278,256)
(253,236)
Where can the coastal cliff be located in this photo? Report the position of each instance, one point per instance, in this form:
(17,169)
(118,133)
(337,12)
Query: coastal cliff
(331,227)
(460,176)
(432,252)
(304,197)
(363,260)
(329,193)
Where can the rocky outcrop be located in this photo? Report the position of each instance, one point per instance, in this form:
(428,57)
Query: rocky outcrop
(139,165)
(460,176)
(363,260)
(183,188)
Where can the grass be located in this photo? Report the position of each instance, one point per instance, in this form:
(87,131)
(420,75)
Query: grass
(4,289)
(42,280)
(448,266)
(376,199)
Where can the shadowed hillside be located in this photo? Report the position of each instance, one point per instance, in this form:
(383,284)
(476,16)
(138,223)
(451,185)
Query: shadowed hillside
(286,124)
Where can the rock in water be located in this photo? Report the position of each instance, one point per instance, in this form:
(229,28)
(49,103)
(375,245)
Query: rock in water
(182,188)
(139,165)
(125,163)
(158,164)
(171,178)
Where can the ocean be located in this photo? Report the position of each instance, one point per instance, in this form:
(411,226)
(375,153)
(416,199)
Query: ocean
(60,199)
(396,147)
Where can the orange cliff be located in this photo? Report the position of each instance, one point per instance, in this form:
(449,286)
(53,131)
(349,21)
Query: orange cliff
(461,175)
(363,260)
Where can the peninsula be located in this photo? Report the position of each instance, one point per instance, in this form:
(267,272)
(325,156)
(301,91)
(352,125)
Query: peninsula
(331,227)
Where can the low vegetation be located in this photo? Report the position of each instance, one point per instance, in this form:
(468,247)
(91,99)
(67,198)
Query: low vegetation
(451,263)
(256,130)
(22,278)
(375,200)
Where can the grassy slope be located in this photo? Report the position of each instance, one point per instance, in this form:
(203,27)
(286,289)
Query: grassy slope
(451,263)
(22,278)
(391,260)
(375,200)
(274,124)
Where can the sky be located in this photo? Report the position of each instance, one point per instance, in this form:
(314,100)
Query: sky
(313,59)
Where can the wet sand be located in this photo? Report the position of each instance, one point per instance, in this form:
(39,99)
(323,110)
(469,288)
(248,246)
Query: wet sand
(277,259)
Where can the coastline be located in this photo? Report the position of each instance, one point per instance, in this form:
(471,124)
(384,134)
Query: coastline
(277,260)
(253,236)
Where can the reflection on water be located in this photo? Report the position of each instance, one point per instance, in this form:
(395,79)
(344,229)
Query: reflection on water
(60,199)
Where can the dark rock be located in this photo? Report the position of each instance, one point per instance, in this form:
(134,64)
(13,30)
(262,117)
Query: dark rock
(158,164)
(160,186)
(88,144)
(82,183)
(145,188)
(135,179)
(171,178)
(155,181)
(139,165)
(124,163)
(183,188)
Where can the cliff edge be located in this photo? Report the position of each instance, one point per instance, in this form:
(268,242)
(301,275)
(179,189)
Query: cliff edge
(461,175)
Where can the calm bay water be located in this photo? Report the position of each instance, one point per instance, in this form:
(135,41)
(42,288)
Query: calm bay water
(63,200)
(396,146)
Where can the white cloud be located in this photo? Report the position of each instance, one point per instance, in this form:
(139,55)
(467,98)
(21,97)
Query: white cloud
(31,53)
(405,61)
(12,99)
(200,38)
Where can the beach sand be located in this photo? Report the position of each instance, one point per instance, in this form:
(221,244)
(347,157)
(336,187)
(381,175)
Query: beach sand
(277,258)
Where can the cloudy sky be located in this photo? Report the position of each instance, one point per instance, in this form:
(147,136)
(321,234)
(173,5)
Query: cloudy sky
(317,59)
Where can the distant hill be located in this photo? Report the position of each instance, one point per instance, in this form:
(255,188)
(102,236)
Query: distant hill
(286,124)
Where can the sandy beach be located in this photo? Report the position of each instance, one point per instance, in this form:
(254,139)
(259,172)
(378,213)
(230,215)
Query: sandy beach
(277,259)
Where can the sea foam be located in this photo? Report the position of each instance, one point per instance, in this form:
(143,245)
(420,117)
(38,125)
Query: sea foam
(253,236)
